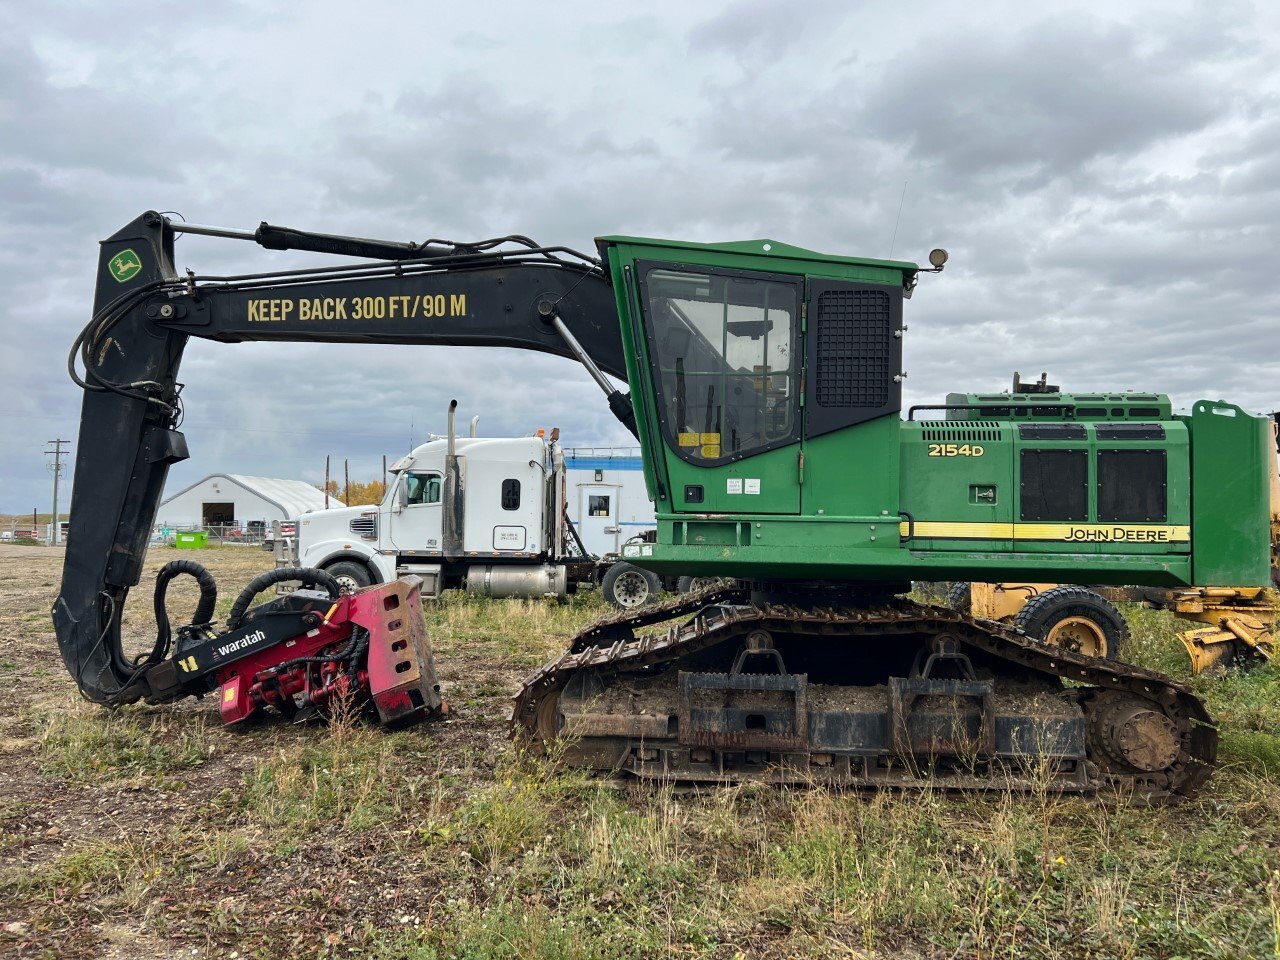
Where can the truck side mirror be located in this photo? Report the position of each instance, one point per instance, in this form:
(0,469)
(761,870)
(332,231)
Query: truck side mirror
(402,493)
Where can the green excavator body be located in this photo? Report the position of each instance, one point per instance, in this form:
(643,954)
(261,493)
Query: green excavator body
(767,386)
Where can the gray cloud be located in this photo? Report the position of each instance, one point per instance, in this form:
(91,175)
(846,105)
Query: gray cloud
(1107,181)
(1043,102)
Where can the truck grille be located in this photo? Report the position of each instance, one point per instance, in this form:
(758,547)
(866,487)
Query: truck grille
(365,526)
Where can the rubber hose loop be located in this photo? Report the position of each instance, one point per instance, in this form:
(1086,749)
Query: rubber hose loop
(308,575)
(204,608)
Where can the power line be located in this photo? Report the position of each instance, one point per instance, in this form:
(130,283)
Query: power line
(57,475)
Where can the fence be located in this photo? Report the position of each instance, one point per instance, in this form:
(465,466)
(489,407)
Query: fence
(226,534)
(252,534)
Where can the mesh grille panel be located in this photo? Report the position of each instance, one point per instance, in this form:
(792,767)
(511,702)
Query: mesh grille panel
(854,341)
(1055,484)
(962,432)
(1132,486)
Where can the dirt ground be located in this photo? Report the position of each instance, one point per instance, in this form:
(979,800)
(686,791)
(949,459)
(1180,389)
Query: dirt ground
(167,778)
(157,832)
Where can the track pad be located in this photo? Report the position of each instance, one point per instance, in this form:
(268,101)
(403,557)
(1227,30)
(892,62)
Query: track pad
(744,711)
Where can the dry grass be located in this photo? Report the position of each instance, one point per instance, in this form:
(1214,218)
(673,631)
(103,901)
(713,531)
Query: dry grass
(156,831)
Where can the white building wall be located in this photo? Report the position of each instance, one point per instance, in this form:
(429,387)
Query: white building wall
(186,509)
(614,472)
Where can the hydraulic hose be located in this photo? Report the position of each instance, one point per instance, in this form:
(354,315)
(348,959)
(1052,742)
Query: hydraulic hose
(351,653)
(308,575)
(204,609)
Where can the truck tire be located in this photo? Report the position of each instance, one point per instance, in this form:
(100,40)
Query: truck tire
(351,574)
(959,597)
(689,584)
(1077,619)
(627,586)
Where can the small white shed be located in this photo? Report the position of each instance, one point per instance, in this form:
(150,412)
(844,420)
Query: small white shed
(232,499)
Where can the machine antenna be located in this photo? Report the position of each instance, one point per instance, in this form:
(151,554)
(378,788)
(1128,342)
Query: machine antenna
(898,219)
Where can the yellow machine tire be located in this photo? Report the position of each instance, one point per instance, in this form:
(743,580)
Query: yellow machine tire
(1076,618)
(690,584)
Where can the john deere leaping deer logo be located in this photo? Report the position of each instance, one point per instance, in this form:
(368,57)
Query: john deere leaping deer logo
(125,265)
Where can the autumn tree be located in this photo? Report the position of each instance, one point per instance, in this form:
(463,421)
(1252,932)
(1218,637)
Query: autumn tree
(371,491)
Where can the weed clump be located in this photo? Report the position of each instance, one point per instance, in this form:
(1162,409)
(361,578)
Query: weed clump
(86,743)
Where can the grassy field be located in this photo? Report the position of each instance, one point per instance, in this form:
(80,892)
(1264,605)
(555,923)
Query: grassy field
(155,832)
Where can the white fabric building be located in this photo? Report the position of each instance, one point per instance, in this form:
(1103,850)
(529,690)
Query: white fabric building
(227,499)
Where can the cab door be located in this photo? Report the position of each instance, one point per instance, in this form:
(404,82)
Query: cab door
(416,526)
(852,398)
(725,350)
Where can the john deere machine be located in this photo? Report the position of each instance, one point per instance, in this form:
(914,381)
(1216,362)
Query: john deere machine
(765,391)
(1239,621)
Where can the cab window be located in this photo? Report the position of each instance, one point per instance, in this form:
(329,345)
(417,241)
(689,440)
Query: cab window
(724,347)
(511,494)
(423,487)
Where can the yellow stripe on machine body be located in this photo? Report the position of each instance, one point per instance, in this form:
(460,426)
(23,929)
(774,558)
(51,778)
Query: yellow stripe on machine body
(1064,532)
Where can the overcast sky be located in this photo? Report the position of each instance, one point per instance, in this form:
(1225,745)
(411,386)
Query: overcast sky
(1106,178)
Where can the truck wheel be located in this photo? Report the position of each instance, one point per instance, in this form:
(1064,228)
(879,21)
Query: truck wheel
(351,575)
(1075,619)
(628,586)
(959,598)
(689,584)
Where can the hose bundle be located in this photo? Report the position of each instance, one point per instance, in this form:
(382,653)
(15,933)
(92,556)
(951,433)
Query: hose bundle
(308,576)
(204,608)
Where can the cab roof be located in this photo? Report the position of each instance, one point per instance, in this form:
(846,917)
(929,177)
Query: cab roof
(760,248)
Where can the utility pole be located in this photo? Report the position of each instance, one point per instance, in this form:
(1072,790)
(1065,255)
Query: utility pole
(326,481)
(346,481)
(384,473)
(57,475)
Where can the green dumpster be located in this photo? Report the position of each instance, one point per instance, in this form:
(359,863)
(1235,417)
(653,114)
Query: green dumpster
(190,539)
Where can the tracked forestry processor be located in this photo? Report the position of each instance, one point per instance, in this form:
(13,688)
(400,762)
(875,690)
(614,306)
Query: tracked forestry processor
(765,392)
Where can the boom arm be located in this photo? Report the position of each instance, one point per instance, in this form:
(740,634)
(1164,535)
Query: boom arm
(486,294)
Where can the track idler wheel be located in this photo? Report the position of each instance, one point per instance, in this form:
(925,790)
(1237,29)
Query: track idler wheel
(1132,735)
(546,723)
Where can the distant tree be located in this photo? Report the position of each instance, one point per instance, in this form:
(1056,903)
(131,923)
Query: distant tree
(371,491)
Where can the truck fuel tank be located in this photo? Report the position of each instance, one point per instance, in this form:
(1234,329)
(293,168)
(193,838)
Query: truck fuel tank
(535,580)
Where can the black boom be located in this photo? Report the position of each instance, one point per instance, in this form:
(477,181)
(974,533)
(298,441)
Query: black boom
(506,292)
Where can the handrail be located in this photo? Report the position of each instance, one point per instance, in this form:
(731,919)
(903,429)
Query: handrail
(1012,405)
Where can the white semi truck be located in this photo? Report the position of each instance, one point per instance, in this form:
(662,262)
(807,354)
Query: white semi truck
(483,514)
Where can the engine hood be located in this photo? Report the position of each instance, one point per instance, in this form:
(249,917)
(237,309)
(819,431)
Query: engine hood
(327,524)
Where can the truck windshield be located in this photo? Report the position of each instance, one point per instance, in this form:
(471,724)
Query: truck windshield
(726,367)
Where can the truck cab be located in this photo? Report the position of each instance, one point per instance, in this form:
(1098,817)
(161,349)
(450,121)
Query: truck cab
(487,517)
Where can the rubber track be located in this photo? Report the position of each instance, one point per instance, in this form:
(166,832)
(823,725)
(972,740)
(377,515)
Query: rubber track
(609,645)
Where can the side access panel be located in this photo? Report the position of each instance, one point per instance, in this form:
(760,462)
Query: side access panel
(1231,452)
(853,354)
(957,486)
